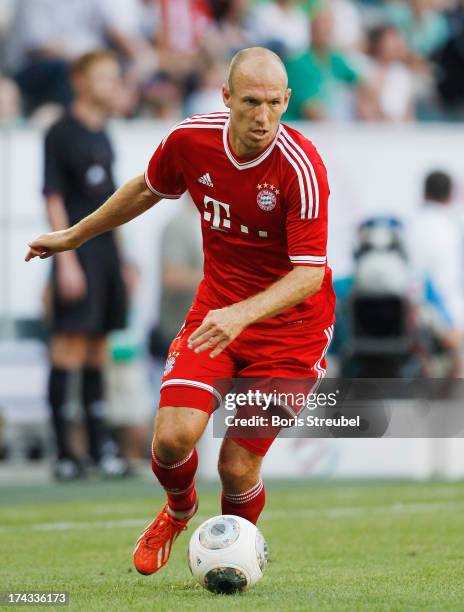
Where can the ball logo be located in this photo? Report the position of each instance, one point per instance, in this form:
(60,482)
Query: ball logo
(267,196)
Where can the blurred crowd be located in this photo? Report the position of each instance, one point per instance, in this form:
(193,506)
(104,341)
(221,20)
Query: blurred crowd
(352,60)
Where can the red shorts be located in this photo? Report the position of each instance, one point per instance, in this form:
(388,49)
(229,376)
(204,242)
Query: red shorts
(194,380)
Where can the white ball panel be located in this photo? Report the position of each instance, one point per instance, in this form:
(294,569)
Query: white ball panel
(243,548)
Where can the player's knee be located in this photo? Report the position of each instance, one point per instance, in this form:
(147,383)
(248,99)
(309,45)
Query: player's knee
(172,445)
(177,430)
(233,471)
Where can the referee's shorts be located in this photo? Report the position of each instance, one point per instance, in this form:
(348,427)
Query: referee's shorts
(104,307)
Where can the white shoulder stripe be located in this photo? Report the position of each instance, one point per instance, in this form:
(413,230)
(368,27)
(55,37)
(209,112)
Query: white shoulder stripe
(299,175)
(217,126)
(309,165)
(194,121)
(220,120)
(304,168)
(216,114)
(180,126)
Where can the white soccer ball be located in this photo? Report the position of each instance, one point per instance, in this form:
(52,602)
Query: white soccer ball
(227,554)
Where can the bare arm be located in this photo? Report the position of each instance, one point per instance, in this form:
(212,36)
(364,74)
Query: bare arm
(220,327)
(56,212)
(128,202)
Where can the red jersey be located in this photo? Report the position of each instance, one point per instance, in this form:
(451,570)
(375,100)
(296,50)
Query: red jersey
(260,217)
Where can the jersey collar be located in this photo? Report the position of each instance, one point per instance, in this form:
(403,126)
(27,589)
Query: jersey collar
(255,160)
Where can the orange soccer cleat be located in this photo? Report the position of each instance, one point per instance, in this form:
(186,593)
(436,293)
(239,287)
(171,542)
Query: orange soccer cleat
(153,547)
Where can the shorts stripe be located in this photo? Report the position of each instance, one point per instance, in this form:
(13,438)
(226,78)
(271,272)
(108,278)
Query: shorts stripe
(316,259)
(185,382)
(317,366)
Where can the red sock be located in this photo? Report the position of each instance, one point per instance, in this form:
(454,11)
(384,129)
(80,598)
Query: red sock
(177,479)
(248,505)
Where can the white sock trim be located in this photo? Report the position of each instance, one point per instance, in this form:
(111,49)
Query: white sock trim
(170,466)
(182,514)
(176,492)
(256,486)
(246,496)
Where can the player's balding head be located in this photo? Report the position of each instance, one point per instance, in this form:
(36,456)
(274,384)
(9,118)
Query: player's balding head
(257,95)
(256,62)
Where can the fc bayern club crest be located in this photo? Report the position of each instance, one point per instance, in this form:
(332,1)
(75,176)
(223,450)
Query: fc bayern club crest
(170,361)
(267,196)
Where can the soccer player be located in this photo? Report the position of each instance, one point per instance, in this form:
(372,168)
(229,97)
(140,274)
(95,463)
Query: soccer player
(88,291)
(265,307)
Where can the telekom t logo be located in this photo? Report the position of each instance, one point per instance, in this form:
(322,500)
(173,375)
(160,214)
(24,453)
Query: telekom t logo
(217,207)
(221,216)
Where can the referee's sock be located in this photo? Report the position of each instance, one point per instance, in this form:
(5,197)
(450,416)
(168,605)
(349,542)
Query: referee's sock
(93,402)
(57,392)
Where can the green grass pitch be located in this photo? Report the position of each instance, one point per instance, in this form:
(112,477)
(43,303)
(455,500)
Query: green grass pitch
(333,546)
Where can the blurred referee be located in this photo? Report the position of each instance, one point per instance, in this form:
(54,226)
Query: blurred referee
(88,292)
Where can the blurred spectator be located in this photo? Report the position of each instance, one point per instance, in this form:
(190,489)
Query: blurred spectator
(6,17)
(228,33)
(182,270)
(131,27)
(426,31)
(207,97)
(177,41)
(10,103)
(168,47)
(425,28)
(437,256)
(321,78)
(162,97)
(184,24)
(390,76)
(46,35)
(450,68)
(348,34)
(280,25)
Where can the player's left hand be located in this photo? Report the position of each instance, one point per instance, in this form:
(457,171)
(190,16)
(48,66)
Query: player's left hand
(218,329)
(49,244)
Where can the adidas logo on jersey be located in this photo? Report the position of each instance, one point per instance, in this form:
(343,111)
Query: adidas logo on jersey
(206,180)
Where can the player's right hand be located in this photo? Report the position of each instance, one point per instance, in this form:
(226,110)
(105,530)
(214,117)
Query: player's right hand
(72,283)
(47,245)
